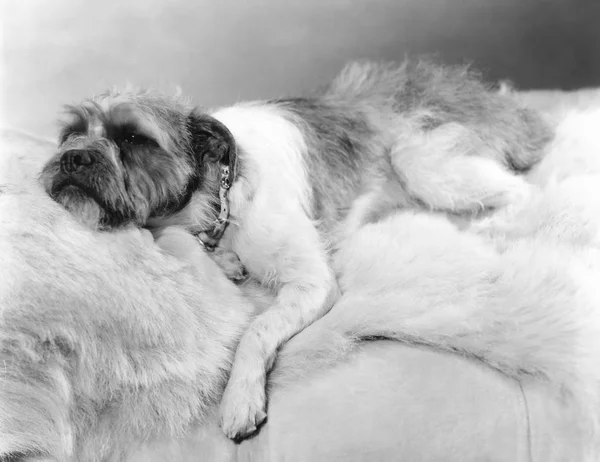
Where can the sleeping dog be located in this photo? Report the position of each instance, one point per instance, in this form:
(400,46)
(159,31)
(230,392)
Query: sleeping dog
(283,183)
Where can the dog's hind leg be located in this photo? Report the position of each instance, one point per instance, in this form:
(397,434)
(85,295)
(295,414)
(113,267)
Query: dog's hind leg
(450,168)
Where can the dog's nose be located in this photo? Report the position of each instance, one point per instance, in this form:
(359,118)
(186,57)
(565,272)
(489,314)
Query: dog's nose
(76,159)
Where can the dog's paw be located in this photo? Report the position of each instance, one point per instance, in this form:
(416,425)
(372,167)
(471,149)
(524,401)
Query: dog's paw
(512,219)
(519,196)
(491,227)
(511,194)
(230,263)
(242,409)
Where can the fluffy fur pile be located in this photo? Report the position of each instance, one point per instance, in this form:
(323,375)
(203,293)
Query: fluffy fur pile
(518,290)
(104,340)
(107,341)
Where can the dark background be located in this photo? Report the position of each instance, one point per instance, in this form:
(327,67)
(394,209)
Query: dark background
(220,51)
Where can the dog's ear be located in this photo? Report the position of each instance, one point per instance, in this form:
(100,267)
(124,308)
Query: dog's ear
(211,141)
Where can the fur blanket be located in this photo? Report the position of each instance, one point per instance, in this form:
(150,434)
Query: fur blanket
(108,343)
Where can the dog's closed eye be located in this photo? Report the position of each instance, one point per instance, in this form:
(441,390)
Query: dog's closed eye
(133,139)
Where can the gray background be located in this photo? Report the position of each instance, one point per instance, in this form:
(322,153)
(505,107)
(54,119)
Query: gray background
(220,51)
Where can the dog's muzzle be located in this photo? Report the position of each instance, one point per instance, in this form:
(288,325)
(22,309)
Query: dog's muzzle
(77,160)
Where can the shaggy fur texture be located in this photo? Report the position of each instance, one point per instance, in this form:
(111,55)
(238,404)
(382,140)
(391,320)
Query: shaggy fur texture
(76,381)
(311,172)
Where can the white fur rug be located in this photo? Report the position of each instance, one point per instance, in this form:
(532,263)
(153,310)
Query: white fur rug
(519,291)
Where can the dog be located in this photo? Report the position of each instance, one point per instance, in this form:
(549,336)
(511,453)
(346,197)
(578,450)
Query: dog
(282,184)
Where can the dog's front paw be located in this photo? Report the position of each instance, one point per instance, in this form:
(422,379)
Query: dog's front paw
(242,409)
(230,263)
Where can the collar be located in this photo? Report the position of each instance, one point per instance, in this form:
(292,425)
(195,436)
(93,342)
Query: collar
(209,238)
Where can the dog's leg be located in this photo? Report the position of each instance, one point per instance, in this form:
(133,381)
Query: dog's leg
(451,169)
(307,292)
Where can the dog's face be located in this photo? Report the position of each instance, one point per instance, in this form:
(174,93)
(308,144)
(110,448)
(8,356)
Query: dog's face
(127,157)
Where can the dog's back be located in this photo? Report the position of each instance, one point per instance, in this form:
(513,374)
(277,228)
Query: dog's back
(386,136)
(430,95)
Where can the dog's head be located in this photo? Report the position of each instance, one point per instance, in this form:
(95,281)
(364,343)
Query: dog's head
(128,157)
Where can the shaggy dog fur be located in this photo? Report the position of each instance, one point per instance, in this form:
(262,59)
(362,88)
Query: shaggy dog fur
(311,172)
